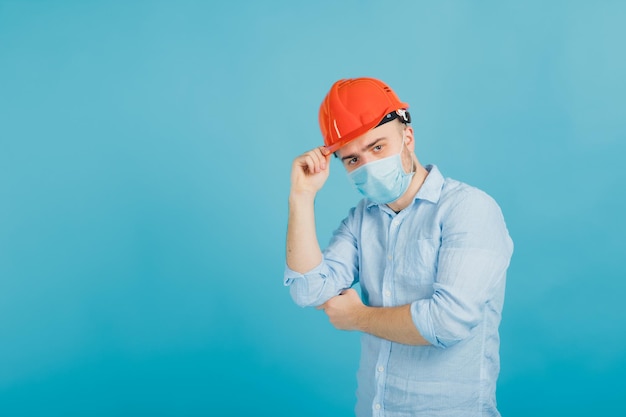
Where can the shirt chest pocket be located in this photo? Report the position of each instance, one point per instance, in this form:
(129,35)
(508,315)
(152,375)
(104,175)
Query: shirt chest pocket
(417,264)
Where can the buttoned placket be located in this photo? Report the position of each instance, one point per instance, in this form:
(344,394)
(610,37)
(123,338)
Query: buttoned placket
(387,301)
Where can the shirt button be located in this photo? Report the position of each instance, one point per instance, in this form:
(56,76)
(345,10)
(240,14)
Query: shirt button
(387,293)
(389,257)
(377,406)
(381,368)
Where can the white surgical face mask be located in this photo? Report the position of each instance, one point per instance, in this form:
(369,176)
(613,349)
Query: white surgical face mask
(382,181)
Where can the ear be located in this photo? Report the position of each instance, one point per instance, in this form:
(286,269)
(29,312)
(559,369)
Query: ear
(409,139)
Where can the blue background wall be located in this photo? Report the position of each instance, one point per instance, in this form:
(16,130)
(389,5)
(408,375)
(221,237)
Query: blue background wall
(145,150)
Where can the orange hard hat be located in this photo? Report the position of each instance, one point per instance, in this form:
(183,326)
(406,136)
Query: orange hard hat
(354,106)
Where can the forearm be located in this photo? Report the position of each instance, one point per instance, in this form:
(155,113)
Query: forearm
(347,312)
(391,323)
(303,250)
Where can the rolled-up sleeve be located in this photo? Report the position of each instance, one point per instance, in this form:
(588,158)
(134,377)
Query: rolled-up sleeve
(312,288)
(337,271)
(473,258)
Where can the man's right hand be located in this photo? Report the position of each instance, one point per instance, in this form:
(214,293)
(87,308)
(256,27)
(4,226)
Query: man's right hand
(310,171)
(308,175)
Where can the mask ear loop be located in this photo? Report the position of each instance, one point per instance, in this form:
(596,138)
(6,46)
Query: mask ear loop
(404,146)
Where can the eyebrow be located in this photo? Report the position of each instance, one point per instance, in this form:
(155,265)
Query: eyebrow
(366,147)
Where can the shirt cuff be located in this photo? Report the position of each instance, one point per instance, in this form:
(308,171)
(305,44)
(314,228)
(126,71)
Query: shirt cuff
(291,275)
(420,313)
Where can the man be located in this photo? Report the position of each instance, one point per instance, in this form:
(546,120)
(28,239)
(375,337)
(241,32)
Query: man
(430,254)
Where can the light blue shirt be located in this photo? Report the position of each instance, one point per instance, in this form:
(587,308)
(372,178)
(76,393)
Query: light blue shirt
(446,255)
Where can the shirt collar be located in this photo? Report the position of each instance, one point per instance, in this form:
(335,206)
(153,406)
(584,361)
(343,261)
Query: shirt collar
(430,189)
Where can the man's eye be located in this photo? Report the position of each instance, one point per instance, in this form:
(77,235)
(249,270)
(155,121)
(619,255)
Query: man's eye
(352,161)
(377,148)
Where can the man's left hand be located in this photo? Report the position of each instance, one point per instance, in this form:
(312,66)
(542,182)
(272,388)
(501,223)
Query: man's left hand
(345,311)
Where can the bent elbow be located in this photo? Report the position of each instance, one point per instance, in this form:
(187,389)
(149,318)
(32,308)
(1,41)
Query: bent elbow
(303,300)
(452,333)
(452,326)
(306,295)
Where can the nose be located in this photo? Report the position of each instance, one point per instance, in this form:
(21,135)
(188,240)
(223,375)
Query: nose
(364,159)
